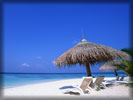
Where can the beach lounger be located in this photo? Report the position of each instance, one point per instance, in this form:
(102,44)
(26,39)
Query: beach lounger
(122,78)
(117,82)
(117,78)
(98,82)
(83,88)
(85,83)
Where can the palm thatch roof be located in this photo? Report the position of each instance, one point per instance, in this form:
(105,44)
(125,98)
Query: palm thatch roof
(88,52)
(110,65)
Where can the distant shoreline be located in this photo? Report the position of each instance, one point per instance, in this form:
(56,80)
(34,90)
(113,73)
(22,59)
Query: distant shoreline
(7,87)
(66,73)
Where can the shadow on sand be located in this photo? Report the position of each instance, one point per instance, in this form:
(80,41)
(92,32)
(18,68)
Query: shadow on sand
(67,87)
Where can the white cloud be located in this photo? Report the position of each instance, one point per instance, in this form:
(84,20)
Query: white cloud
(25,65)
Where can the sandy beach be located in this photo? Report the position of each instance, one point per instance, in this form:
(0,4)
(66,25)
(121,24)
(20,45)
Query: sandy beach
(57,88)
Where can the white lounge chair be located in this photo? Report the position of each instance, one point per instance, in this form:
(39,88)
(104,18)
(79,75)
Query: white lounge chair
(122,78)
(98,82)
(117,78)
(116,82)
(83,88)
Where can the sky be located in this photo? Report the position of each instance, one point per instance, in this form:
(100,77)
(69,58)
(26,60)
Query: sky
(36,34)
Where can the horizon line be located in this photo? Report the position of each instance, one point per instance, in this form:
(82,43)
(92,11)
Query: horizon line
(54,73)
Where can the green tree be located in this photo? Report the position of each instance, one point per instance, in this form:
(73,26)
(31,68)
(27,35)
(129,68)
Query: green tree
(126,66)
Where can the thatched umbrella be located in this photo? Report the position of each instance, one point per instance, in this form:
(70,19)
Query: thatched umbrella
(88,53)
(110,66)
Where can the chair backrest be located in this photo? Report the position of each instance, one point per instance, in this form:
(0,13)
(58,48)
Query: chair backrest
(85,83)
(117,78)
(99,80)
(122,78)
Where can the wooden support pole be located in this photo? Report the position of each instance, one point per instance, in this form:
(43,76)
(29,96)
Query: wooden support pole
(88,69)
(116,74)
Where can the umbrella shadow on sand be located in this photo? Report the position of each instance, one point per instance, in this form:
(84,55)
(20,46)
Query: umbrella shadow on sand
(67,87)
(69,91)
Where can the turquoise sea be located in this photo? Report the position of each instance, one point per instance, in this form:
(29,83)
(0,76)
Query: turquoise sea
(13,80)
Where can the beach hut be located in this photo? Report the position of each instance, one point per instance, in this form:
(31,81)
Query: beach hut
(110,66)
(87,53)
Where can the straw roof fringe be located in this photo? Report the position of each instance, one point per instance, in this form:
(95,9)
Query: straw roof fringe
(89,52)
(110,65)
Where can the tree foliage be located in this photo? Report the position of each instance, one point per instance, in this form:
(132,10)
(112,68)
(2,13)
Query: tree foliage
(126,66)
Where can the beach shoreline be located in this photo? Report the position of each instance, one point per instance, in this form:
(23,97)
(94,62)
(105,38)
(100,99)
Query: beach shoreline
(57,89)
(45,81)
(56,80)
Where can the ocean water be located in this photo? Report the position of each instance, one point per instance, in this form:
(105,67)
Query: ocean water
(13,80)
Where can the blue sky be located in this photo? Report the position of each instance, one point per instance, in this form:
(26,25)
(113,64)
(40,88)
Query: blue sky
(36,34)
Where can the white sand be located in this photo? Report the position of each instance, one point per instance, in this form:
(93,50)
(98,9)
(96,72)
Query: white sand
(56,88)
